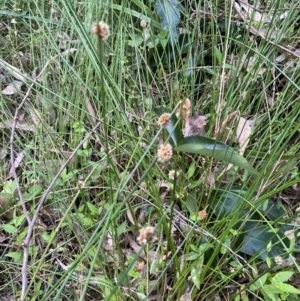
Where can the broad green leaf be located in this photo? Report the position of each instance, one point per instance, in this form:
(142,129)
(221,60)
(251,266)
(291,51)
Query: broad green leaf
(272,209)
(9,228)
(270,291)
(212,148)
(260,282)
(281,277)
(229,201)
(136,14)
(166,52)
(287,288)
(191,64)
(16,256)
(136,40)
(192,202)
(258,236)
(18,220)
(195,184)
(169,15)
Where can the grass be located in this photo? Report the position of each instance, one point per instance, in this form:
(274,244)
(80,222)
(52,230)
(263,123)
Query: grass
(84,244)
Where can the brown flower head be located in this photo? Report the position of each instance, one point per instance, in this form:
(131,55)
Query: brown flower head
(202,214)
(164,153)
(147,235)
(164,119)
(101,30)
(184,109)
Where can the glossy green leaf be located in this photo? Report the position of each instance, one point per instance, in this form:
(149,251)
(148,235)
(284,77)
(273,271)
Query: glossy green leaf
(212,148)
(273,210)
(229,201)
(169,16)
(258,236)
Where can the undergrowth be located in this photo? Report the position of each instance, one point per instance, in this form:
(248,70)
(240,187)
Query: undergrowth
(157,162)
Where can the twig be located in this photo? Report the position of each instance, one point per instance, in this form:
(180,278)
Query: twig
(13,170)
(31,222)
(41,202)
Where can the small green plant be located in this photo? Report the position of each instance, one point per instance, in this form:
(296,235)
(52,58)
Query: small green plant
(275,287)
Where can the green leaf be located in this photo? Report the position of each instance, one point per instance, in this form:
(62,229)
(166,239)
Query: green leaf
(218,55)
(19,220)
(174,128)
(46,237)
(229,201)
(9,228)
(33,192)
(257,237)
(166,52)
(196,271)
(192,256)
(169,15)
(281,277)
(136,40)
(121,228)
(136,14)
(212,148)
(272,209)
(16,256)
(287,288)
(191,64)
(259,283)
(191,170)
(269,291)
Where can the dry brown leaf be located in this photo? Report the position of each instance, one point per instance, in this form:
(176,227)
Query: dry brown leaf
(140,266)
(210,181)
(185,297)
(250,12)
(7,214)
(195,126)
(35,115)
(243,133)
(12,88)
(151,255)
(20,126)
(266,32)
(17,162)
